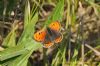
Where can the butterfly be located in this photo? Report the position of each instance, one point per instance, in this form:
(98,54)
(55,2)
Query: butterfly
(49,36)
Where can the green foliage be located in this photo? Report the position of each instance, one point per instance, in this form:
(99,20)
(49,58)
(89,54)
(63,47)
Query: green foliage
(68,53)
(10,39)
(25,46)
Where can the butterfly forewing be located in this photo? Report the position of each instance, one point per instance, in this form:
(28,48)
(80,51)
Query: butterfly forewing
(40,35)
(55,26)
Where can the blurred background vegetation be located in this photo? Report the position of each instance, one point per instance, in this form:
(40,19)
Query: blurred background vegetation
(80,21)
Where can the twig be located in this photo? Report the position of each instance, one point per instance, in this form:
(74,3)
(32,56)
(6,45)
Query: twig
(94,50)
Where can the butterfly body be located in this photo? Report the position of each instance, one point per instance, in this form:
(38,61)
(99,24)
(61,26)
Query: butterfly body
(50,35)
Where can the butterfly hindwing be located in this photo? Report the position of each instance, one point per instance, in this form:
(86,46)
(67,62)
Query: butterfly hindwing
(59,38)
(47,44)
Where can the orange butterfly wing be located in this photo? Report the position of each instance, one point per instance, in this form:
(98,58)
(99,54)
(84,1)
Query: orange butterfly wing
(47,45)
(55,26)
(40,35)
(59,39)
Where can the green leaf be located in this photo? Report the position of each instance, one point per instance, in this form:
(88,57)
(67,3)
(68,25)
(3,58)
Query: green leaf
(22,60)
(11,52)
(27,14)
(29,28)
(10,40)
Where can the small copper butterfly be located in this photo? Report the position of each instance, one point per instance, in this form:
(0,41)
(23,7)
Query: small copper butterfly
(50,35)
